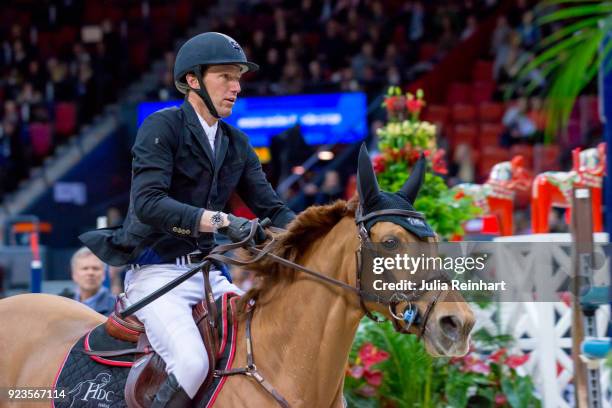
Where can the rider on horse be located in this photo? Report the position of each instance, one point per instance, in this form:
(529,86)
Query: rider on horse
(186,164)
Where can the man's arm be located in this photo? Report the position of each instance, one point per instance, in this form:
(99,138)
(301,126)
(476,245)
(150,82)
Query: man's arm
(258,195)
(152,166)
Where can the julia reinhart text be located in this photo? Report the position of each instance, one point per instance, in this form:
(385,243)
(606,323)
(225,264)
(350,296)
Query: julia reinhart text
(453,284)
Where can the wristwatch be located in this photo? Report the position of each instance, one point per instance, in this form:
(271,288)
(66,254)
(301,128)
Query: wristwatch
(216,220)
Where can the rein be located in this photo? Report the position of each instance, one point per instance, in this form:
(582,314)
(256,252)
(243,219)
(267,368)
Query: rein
(408,317)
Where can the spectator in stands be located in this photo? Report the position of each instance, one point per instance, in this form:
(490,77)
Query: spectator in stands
(529,31)
(448,37)
(519,128)
(537,114)
(331,189)
(416,25)
(470,28)
(88,276)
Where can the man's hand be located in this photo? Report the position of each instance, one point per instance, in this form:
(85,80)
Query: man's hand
(239,228)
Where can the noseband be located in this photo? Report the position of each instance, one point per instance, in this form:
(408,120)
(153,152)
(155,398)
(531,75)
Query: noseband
(410,314)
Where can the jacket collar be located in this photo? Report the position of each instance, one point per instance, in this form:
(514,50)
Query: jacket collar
(196,129)
(221,139)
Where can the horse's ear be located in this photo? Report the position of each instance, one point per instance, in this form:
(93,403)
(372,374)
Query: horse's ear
(411,187)
(367,185)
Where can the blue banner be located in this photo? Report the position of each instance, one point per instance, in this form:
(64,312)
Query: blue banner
(324,118)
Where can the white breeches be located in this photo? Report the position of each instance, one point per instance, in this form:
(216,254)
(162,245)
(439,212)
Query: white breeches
(168,320)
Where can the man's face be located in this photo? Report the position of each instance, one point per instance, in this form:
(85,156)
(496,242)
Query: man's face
(223,85)
(88,273)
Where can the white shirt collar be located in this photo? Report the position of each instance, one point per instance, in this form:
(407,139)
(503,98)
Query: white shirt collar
(211,131)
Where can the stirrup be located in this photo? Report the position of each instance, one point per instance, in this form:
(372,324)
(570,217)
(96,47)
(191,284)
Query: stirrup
(171,395)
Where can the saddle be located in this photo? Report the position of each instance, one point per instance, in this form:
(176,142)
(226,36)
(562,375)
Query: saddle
(123,342)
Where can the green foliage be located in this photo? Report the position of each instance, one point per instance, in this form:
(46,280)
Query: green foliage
(570,57)
(412,378)
(443,211)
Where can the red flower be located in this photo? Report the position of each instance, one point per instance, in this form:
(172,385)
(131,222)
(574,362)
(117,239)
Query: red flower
(438,164)
(370,355)
(516,361)
(498,355)
(500,399)
(366,391)
(374,378)
(356,371)
(414,105)
(475,365)
(379,164)
(395,104)
(390,103)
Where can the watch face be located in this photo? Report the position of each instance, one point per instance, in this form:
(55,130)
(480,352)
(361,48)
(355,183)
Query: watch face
(216,219)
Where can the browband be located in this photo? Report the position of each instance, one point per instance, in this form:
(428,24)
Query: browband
(408,213)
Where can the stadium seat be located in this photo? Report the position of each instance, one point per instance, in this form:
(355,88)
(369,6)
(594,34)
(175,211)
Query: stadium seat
(482,71)
(427,51)
(546,158)
(463,113)
(490,134)
(491,155)
(65,118)
(459,93)
(182,10)
(437,114)
(463,133)
(40,139)
(491,112)
(483,91)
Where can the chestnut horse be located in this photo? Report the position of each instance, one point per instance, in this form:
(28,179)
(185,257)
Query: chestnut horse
(554,188)
(302,327)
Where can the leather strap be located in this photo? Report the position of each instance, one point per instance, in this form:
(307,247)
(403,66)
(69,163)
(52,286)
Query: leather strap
(116,353)
(251,369)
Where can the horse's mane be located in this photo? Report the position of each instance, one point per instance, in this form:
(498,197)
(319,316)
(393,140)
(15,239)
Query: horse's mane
(305,229)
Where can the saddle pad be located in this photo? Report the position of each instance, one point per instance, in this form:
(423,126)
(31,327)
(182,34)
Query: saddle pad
(100,383)
(87,383)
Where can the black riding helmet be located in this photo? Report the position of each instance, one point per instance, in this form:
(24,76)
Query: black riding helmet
(201,51)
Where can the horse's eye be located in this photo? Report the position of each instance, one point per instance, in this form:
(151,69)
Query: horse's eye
(390,243)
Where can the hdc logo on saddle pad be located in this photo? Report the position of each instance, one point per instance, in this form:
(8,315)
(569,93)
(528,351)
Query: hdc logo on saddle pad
(92,391)
(89,384)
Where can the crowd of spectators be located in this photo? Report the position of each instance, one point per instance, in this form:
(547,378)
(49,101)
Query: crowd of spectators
(61,61)
(348,45)
(513,45)
(79,54)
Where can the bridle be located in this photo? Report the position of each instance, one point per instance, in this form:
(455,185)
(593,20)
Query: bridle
(401,322)
(410,315)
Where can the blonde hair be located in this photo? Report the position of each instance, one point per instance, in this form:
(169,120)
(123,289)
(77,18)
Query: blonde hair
(81,253)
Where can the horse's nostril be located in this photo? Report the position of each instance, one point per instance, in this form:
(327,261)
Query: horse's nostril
(451,326)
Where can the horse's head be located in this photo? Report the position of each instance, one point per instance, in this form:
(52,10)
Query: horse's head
(444,319)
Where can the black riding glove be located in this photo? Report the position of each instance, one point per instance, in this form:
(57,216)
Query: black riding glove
(239,228)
